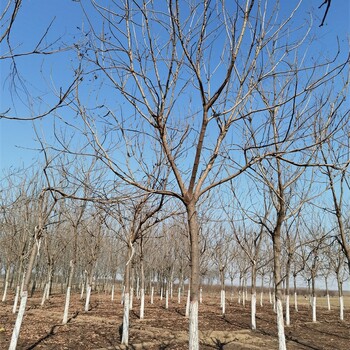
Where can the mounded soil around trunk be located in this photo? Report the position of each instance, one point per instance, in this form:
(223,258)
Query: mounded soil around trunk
(100,328)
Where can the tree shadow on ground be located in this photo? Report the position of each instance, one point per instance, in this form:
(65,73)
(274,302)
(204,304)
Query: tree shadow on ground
(51,332)
(217,344)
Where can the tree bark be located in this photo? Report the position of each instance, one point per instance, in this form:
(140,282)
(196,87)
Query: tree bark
(278,290)
(6,284)
(287,296)
(194,279)
(253,298)
(125,332)
(142,291)
(295,293)
(24,294)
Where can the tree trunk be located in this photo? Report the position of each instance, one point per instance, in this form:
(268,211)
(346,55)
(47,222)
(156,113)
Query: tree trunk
(287,296)
(112,292)
(327,294)
(278,290)
(66,305)
(341,299)
(313,300)
(15,302)
(142,291)
(24,294)
(240,289)
(46,293)
(253,298)
(223,293)
(88,295)
(194,280)
(187,313)
(295,293)
(6,284)
(166,298)
(152,294)
(125,333)
(262,291)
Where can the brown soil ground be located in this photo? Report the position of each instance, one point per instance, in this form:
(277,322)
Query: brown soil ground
(167,329)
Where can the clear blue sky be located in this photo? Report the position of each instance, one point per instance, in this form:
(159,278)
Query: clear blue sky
(17,139)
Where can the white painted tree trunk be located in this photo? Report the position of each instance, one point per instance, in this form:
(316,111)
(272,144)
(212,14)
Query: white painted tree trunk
(193,331)
(44,294)
(223,302)
(123,296)
(296,301)
(280,326)
(328,302)
(270,297)
(239,297)
(313,309)
(261,298)
(274,303)
(152,295)
(87,301)
(142,304)
(243,298)
(161,293)
(253,311)
(48,289)
(66,306)
(112,293)
(341,308)
(15,302)
(19,319)
(287,311)
(179,295)
(200,295)
(22,284)
(125,333)
(82,290)
(6,285)
(188,304)
(131,297)
(166,298)
(138,288)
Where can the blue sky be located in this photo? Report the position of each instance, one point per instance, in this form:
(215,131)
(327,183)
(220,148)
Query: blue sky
(17,143)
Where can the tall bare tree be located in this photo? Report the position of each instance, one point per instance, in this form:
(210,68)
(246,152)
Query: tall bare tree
(179,79)
(335,154)
(45,205)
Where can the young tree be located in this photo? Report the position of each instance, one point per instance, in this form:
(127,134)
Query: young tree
(135,219)
(249,234)
(221,253)
(336,156)
(45,205)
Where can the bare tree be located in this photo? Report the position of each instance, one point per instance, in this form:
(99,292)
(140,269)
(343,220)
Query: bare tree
(186,96)
(221,252)
(44,211)
(337,265)
(336,154)
(135,218)
(249,234)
